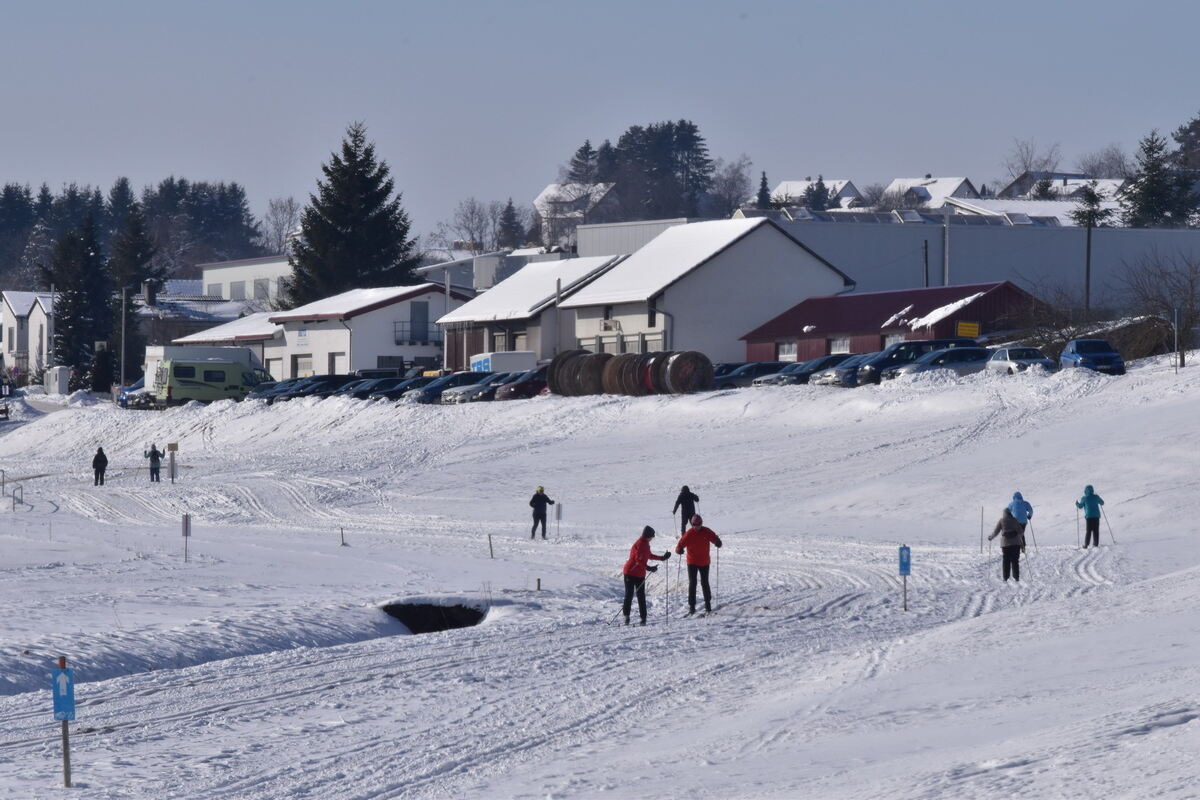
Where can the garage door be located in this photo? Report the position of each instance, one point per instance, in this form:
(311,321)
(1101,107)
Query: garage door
(275,367)
(302,366)
(337,363)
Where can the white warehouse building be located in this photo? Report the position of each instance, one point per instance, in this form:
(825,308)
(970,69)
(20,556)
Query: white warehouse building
(246,279)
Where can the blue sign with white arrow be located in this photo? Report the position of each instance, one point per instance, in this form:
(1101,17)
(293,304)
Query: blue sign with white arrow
(62,684)
(905,560)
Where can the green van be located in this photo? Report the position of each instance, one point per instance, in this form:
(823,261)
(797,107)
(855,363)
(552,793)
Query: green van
(178,382)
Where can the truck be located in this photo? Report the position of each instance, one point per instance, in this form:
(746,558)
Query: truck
(155,354)
(181,381)
(510,361)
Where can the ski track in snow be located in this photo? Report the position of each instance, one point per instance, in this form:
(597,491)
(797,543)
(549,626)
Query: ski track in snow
(280,680)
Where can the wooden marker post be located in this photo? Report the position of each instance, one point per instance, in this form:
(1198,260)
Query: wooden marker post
(172,448)
(187,534)
(62,686)
(905,569)
(491,552)
(558,520)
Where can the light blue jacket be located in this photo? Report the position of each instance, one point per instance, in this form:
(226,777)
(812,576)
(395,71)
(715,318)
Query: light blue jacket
(1090,503)
(1020,508)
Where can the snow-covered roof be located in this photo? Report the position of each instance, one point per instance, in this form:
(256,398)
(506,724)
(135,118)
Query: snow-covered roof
(1107,188)
(213,310)
(358,301)
(251,327)
(178,286)
(526,251)
(668,257)
(932,192)
(940,313)
(583,195)
(796,189)
(996,207)
(530,289)
(22,303)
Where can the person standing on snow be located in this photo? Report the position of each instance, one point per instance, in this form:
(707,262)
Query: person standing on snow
(635,572)
(686,502)
(538,503)
(99,464)
(155,456)
(1090,503)
(695,541)
(1021,510)
(1012,543)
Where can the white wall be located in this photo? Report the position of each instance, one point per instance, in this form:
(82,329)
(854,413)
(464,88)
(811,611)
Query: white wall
(223,276)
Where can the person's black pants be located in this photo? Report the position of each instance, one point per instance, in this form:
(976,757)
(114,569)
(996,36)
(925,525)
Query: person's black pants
(702,571)
(1012,561)
(538,518)
(1091,532)
(154,475)
(99,477)
(633,585)
(685,520)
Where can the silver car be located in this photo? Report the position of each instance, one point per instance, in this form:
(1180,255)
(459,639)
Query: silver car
(1011,360)
(962,360)
(484,389)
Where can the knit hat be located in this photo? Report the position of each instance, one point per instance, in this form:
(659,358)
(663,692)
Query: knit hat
(648,532)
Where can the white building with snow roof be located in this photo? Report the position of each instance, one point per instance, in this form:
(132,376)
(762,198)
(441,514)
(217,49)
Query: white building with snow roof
(253,331)
(26,346)
(385,327)
(560,208)
(700,287)
(260,279)
(522,311)
(842,192)
(929,192)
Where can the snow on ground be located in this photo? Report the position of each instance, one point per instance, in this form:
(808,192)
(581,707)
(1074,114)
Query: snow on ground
(263,667)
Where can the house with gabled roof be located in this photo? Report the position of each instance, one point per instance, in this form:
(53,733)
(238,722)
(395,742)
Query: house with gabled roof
(26,347)
(385,327)
(870,321)
(1064,185)
(929,192)
(254,331)
(522,311)
(700,287)
(560,208)
(842,192)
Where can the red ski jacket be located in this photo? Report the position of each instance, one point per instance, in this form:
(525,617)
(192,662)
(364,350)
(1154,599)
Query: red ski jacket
(696,542)
(635,567)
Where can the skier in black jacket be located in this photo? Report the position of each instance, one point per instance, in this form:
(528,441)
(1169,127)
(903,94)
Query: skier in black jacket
(686,502)
(99,464)
(538,503)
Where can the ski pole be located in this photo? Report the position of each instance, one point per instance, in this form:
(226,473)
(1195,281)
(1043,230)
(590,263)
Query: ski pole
(1033,536)
(981,530)
(717,575)
(1109,524)
(1077,527)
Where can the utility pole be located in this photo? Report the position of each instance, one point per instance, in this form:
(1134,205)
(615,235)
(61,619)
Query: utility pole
(926,247)
(124,292)
(946,245)
(1087,274)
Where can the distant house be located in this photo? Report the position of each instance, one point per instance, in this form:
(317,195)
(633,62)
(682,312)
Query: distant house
(181,308)
(699,287)
(1065,185)
(260,279)
(386,327)
(868,322)
(560,208)
(521,312)
(929,192)
(842,192)
(19,350)
(1026,212)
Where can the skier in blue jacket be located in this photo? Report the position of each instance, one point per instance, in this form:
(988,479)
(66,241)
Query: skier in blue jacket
(1090,503)
(1021,510)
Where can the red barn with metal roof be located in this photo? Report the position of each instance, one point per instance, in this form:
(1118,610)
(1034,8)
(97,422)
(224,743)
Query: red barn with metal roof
(867,322)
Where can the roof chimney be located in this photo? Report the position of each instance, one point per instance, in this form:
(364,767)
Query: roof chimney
(149,293)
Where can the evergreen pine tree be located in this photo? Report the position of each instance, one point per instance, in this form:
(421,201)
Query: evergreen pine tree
(606,163)
(1187,136)
(1043,190)
(583,165)
(1088,212)
(354,233)
(120,199)
(82,315)
(816,195)
(511,232)
(129,265)
(762,200)
(43,206)
(1158,196)
(693,167)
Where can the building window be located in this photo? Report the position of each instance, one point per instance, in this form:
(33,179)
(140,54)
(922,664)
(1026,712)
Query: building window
(839,345)
(214,290)
(262,288)
(237,290)
(785,351)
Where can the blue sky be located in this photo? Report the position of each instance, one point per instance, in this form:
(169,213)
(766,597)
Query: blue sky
(488,99)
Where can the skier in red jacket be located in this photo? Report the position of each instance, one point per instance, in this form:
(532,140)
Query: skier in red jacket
(635,572)
(696,541)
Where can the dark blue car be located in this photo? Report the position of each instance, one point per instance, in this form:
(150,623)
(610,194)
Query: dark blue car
(1094,354)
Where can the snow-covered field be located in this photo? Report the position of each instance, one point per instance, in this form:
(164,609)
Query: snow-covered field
(263,668)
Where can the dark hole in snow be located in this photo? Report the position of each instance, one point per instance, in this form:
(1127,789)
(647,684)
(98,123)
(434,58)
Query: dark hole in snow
(429,618)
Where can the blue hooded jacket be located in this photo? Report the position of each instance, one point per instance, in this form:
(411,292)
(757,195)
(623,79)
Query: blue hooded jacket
(1021,510)
(1090,503)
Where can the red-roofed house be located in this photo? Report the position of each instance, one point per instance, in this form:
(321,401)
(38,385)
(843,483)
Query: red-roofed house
(867,322)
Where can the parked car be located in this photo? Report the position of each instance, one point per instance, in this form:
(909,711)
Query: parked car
(135,395)
(361,391)
(726,367)
(397,391)
(802,371)
(744,375)
(962,360)
(841,374)
(267,388)
(528,384)
(177,381)
(1012,360)
(899,353)
(331,389)
(476,392)
(316,383)
(1093,354)
(432,392)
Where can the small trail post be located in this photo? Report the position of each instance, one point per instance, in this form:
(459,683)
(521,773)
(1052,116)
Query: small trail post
(491,552)
(62,687)
(187,534)
(342,533)
(558,520)
(905,569)
(172,448)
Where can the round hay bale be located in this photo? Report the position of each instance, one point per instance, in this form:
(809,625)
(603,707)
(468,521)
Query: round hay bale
(629,375)
(568,376)
(611,377)
(637,379)
(590,378)
(659,377)
(690,372)
(556,365)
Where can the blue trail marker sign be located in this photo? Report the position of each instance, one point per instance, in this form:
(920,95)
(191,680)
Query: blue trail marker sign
(62,684)
(905,570)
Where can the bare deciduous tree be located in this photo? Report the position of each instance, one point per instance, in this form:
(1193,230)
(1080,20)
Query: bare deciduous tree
(1107,162)
(895,201)
(872,194)
(1157,285)
(731,185)
(1026,156)
(469,228)
(281,223)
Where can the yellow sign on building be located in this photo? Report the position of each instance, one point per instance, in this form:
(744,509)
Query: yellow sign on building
(968,329)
